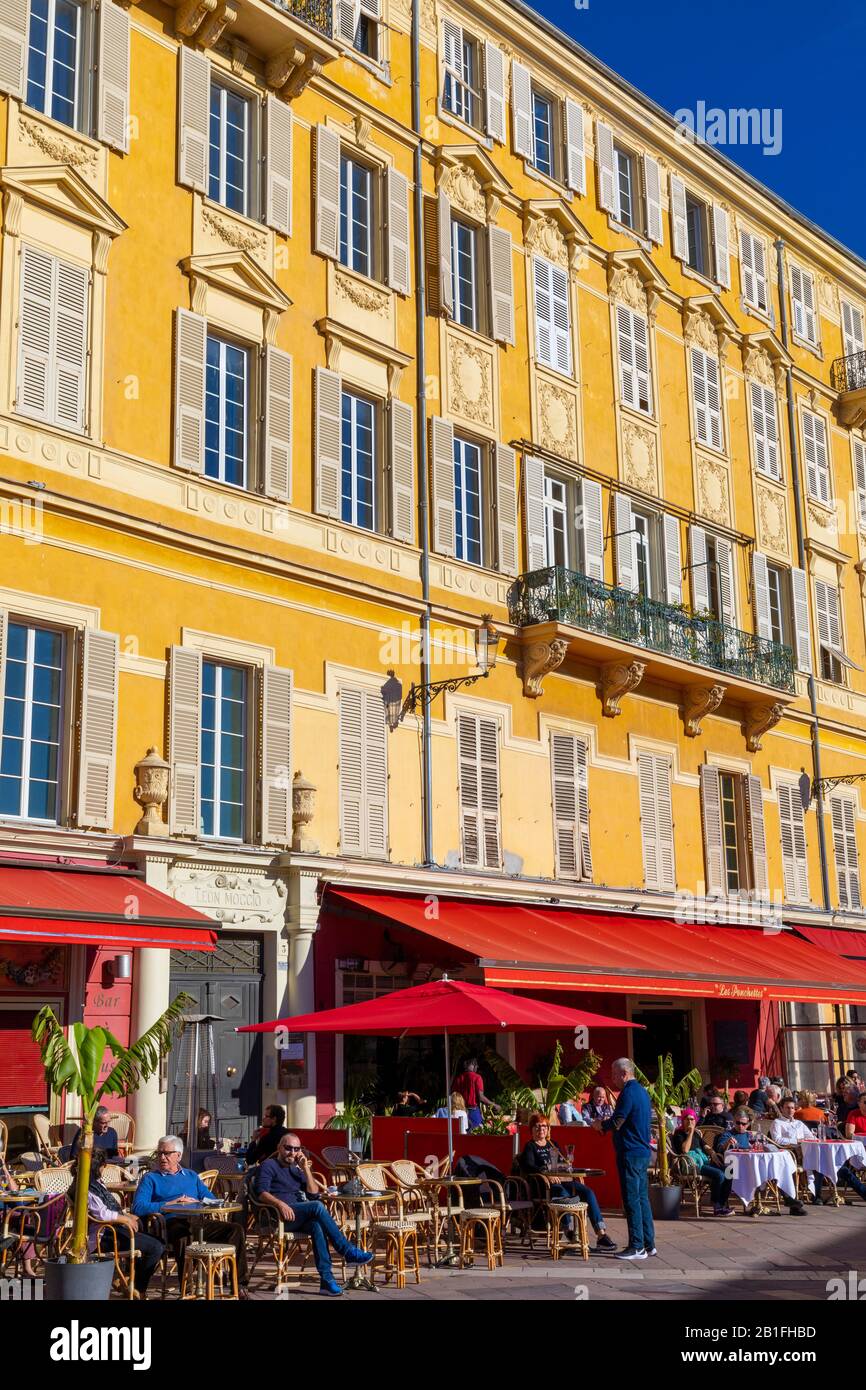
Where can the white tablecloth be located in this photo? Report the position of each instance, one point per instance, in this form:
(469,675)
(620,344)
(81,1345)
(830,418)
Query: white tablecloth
(751,1170)
(828,1155)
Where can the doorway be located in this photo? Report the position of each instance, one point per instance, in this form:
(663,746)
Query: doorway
(664,1030)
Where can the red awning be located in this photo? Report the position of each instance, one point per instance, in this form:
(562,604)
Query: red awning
(557,948)
(849,944)
(80,907)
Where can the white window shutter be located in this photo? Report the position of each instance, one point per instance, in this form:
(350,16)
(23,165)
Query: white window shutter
(581,758)
(445,270)
(762,299)
(765,429)
(575,158)
(276,756)
(815,454)
(541,273)
(795,866)
(327,212)
(278,424)
(375,776)
(811,319)
(452,46)
(194,119)
(488,766)
(501,284)
(673,559)
(98,730)
(747,268)
(494,72)
(859,450)
(727,581)
(698,575)
(521,109)
(401,419)
(626,552)
(278,164)
(568,758)
(679,230)
(471,843)
(711,808)
(852,329)
(760,871)
(71,309)
(656,821)
(329,432)
(184,740)
(844,818)
(561,287)
(507,545)
(606,177)
(351,734)
(533,510)
(652,179)
(802,625)
(707,398)
(34,391)
(761,585)
(14,28)
(634,361)
(442,471)
(190,352)
(721,243)
(112,111)
(592,519)
(348,17)
(398,232)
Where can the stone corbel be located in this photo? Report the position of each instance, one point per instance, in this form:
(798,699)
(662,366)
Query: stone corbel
(617,679)
(759,720)
(239,58)
(698,702)
(101,248)
(395,376)
(271,322)
(363,129)
(309,68)
(494,205)
(333,351)
(653,300)
(13,206)
(191,14)
(538,661)
(222,18)
(279,69)
(198,294)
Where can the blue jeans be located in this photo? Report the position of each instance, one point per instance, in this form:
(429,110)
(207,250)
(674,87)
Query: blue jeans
(720,1186)
(632,1168)
(583,1194)
(314,1220)
(476,1119)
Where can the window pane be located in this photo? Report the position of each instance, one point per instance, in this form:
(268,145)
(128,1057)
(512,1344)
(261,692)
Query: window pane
(226,389)
(355,216)
(229,148)
(223,750)
(358,475)
(542,134)
(31,722)
(53,55)
(464,269)
(467,497)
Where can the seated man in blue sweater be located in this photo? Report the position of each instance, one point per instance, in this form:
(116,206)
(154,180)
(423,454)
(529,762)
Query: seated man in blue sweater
(171,1185)
(286,1182)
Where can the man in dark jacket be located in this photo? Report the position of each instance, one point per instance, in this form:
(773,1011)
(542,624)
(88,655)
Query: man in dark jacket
(266,1139)
(630,1125)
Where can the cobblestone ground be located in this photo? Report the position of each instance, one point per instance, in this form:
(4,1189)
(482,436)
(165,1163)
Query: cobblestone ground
(738,1257)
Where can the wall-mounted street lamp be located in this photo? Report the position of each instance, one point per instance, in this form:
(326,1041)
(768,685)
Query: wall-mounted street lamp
(487,641)
(809,790)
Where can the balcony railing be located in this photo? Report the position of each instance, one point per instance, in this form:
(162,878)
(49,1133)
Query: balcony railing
(318,14)
(849,373)
(561,595)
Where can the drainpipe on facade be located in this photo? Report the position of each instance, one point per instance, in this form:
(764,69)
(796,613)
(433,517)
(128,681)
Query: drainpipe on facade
(801,561)
(421,423)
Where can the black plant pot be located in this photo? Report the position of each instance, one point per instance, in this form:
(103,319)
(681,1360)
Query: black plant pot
(68,1283)
(665,1201)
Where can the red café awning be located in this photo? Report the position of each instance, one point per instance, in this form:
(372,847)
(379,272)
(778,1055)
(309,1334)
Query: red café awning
(521,947)
(849,944)
(81,907)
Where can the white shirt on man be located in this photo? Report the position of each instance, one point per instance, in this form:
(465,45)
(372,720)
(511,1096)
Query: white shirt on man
(790,1132)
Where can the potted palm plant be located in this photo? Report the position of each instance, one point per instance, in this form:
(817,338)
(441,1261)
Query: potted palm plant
(666,1196)
(552,1089)
(76,1071)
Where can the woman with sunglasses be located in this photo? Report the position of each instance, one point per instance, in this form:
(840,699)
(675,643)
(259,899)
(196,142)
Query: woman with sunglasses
(541,1155)
(689,1144)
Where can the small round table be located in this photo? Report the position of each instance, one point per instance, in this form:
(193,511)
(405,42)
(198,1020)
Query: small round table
(827,1156)
(197,1213)
(358,1280)
(751,1170)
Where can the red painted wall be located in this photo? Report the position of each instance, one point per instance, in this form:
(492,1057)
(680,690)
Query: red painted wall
(108,1003)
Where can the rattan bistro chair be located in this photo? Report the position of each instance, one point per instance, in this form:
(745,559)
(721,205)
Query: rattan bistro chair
(124,1259)
(267,1228)
(124,1126)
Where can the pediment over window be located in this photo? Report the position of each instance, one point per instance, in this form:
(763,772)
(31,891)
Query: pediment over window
(634,280)
(236,274)
(471,181)
(765,358)
(707,324)
(57,189)
(550,229)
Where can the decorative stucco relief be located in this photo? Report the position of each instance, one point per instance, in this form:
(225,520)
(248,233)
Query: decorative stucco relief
(462,186)
(713,490)
(557,418)
(235,234)
(544,238)
(470,381)
(640,457)
(772,520)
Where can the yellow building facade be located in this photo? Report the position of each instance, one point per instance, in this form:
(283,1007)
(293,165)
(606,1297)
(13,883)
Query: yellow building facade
(325,333)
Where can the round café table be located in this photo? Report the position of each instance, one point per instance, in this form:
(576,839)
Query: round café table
(198,1213)
(751,1169)
(826,1156)
(358,1280)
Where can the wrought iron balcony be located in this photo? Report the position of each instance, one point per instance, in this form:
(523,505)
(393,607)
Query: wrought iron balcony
(849,373)
(318,14)
(561,596)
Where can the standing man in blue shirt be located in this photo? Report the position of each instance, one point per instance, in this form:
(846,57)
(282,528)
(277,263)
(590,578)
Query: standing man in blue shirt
(630,1125)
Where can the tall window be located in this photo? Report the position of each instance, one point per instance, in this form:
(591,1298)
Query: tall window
(803,305)
(556,522)
(224,718)
(697,228)
(626,191)
(54,59)
(228,178)
(226,407)
(356,216)
(753,270)
(543,134)
(358,486)
(30,742)
(634,359)
(552,315)
(464,268)
(461,93)
(732,840)
(779,606)
(468,499)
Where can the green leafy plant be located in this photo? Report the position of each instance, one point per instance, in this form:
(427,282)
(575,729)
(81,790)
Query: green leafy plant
(356,1115)
(663,1093)
(555,1087)
(76,1071)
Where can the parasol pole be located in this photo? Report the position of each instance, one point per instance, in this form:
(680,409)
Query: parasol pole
(450,1257)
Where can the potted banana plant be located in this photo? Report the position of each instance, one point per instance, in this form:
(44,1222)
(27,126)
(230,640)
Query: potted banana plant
(666,1196)
(76,1071)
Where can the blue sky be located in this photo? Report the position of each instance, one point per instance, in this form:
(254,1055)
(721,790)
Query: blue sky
(804,58)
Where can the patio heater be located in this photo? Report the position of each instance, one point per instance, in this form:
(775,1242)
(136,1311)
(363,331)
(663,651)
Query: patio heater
(195,1079)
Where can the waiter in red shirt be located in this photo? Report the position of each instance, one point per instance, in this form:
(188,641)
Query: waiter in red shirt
(470,1085)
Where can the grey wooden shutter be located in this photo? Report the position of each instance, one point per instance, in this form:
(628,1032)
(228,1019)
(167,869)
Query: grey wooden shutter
(761,586)
(575,159)
(276,756)
(278,164)
(802,625)
(70,344)
(843,813)
(401,454)
(398,231)
(442,476)
(592,525)
(700,582)
(184,740)
(858,447)
(721,245)
(478,758)
(35,334)
(652,180)
(533,511)
(507,545)
(375,775)
(327,213)
(98,730)
(711,810)
(329,427)
(348,16)
(792,833)
(606,177)
(758,836)
(193,120)
(521,110)
(765,429)
(815,454)
(14,28)
(190,352)
(656,821)
(626,566)
(351,736)
(445,278)
(278,424)
(747,268)
(679,230)
(494,72)
(707,398)
(501,285)
(727,581)
(673,559)
(112,105)
(568,758)
(488,751)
